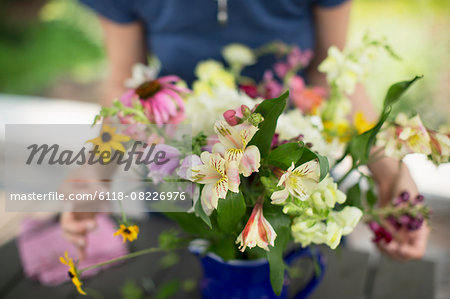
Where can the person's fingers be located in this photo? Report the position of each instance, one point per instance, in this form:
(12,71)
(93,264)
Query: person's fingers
(417,244)
(76,239)
(392,249)
(74,224)
(411,252)
(75,227)
(81,252)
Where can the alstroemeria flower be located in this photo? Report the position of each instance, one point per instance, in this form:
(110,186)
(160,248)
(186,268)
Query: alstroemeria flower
(189,162)
(161,99)
(233,146)
(440,147)
(405,136)
(257,231)
(298,182)
(217,180)
(413,133)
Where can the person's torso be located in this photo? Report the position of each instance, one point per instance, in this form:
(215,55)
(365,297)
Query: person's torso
(183,32)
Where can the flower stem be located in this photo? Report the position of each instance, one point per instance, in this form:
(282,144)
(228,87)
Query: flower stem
(122,258)
(124,215)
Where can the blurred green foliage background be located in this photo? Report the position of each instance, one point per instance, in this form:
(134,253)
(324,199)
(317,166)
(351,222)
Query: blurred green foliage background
(54,48)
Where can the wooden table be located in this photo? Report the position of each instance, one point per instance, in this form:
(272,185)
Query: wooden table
(348,275)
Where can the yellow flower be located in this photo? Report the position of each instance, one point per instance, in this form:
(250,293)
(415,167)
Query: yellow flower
(361,124)
(212,74)
(73,273)
(129,233)
(340,129)
(109,140)
(200,87)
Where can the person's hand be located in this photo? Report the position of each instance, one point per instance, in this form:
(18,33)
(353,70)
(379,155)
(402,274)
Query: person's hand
(81,220)
(76,226)
(406,244)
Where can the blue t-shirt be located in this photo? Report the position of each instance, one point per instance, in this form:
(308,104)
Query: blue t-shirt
(183,32)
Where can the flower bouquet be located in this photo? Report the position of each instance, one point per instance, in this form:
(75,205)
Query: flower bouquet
(260,169)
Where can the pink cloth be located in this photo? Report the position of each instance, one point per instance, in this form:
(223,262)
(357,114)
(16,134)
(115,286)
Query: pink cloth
(41,244)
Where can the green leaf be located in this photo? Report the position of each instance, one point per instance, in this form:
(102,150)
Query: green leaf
(396,90)
(354,197)
(270,110)
(225,247)
(200,213)
(360,146)
(190,223)
(309,155)
(285,154)
(230,211)
(281,224)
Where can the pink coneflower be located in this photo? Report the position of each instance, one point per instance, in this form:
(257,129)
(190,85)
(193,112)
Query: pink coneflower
(161,99)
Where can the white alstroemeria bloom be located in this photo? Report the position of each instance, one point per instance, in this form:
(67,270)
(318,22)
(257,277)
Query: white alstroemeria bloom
(299,182)
(414,134)
(405,136)
(212,173)
(238,54)
(347,218)
(257,231)
(233,146)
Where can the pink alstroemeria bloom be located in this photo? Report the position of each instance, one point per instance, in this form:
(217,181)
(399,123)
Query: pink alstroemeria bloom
(257,231)
(161,99)
(233,147)
(304,98)
(298,182)
(214,174)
